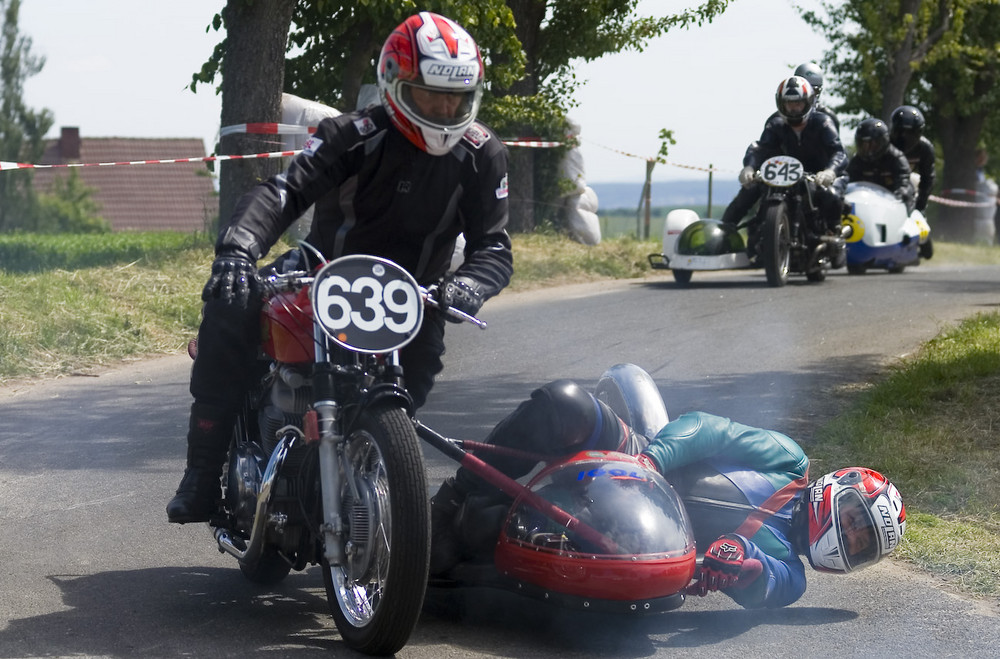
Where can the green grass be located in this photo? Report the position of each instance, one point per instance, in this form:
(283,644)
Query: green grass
(933,425)
(931,422)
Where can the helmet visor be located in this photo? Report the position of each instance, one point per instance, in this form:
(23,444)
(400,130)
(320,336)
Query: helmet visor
(856,530)
(437,107)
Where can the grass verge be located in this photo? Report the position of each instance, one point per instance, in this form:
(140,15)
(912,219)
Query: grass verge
(931,422)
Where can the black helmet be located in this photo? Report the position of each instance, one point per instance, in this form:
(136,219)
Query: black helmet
(907,127)
(709,238)
(813,74)
(561,414)
(871,139)
(795,99)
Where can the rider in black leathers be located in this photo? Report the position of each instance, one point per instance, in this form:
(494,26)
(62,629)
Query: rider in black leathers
(906,134)
(399,180)
(746,490)
(877,161)
(814,75)
(802,133)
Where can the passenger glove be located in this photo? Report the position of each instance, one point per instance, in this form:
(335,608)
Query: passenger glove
(233,280)
(462,293)
(746,176)
(724,566)
(825,178)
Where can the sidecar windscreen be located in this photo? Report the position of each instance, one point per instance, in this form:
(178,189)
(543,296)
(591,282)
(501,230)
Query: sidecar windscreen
(627,536)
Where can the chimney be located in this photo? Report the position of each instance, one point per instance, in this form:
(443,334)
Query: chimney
(69,143)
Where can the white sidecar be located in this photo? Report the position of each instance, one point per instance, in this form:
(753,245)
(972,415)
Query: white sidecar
(883,235)
(691,243)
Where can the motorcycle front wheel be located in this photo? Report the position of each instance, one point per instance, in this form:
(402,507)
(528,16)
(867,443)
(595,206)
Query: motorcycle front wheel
(377,594)
(775,244)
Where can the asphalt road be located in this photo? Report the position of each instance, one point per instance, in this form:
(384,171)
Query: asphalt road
(90,567)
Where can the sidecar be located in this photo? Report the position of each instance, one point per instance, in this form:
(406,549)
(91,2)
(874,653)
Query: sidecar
(691,243)
(594,531)
(883,235)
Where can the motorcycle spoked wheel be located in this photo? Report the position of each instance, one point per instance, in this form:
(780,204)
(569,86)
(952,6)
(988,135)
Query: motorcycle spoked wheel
(775,244)
(377,594)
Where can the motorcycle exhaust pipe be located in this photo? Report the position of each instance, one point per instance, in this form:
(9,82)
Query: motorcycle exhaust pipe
(253,548)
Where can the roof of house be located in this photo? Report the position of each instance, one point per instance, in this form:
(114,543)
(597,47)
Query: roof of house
(147,197)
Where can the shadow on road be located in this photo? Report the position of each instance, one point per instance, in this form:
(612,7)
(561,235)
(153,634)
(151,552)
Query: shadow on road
(173,611)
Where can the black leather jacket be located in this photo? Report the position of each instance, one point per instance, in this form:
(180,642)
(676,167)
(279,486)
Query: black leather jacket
(376,193)
(921,159)
(817,146)
(890,170)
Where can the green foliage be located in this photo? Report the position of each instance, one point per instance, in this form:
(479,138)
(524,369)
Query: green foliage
(943,52)
(528,51)
(69,208)
(21,129)
(28,252)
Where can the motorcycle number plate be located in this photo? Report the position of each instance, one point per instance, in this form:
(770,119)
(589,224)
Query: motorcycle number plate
(781,171)
(367,303)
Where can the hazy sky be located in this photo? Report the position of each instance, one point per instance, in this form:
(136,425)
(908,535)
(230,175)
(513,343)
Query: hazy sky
(121,68)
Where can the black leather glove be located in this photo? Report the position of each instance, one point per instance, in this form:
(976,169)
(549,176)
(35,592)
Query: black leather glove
(463,293)
(234,279)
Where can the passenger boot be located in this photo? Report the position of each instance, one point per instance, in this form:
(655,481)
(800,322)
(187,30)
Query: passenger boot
(445,549)
(197,497)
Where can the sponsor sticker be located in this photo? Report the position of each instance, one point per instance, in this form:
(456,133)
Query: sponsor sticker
(502,191)
(477,136)
(364,125)
(312,145)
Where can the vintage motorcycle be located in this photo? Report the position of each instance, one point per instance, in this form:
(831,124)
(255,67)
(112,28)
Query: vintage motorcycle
(592,531)
(883,235)
(785,235)
(325,466)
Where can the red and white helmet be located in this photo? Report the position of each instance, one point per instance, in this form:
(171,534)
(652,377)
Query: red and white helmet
(795,99)
(856,516)
(434,53)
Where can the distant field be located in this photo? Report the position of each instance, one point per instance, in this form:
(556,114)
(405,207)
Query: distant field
(623,222)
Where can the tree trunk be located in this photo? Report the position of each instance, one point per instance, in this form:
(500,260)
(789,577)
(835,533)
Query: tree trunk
(253,73)
(528,16)
(959,138)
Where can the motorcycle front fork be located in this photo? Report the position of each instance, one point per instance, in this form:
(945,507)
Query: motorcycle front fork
(331,454)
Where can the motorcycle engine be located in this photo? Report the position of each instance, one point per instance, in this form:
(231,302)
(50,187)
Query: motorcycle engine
(283,404)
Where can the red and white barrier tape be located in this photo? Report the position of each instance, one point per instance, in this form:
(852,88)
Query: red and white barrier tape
(944,201)
(4,165)
(260,128)
(267,129)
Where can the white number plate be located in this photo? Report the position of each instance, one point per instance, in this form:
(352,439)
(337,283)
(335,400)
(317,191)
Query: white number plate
(781,171)
(367,304)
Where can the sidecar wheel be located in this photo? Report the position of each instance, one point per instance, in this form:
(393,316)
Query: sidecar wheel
(682,277)
(854,269)
(927,249)
(377,593)
(775,245)
(816,276)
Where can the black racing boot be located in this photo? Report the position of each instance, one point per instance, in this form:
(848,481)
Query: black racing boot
(445,550)
(198,495)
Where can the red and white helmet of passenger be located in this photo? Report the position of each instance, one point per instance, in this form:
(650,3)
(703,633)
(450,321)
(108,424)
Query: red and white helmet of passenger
(434,53)
(856,516)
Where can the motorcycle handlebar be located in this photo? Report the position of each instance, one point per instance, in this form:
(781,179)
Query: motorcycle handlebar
(293,281)
(430,299)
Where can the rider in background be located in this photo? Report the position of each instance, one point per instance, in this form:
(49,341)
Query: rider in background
(906,132)
(799,131)
(877,161)
(814,75)
(752,507)
(400,180)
